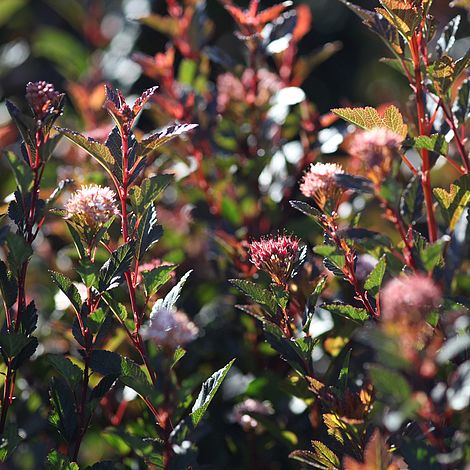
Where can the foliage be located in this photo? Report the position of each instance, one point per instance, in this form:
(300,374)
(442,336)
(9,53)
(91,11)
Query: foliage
(342,346)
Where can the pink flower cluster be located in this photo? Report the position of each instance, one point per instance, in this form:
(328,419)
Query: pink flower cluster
(234,90)
(375,149)
(170,329)
(276,255)
(320,184)
(242,412)
(43,98)
(91,206)
(409,299)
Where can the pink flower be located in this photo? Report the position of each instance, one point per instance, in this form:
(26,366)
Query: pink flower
(276,256)
(242,412)
(91,207)
(375,149)
(320,184)
(170,328)
(409,298)
(43,98)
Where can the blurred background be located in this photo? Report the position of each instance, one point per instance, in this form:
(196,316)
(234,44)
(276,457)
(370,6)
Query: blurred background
(79,44)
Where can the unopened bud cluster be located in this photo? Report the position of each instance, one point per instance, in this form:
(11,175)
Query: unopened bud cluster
(43,99)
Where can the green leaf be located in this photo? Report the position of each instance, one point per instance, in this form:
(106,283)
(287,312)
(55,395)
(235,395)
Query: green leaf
(88,272)
(177,356)
(156,278)
(375,278)
(296,352)
(69,371)
(207,393)
(146,194)
(322,457)
(8,8)
(57,461)
(358,315)
(64,416)
(9,441)
(129,373)
(411,201)
(97,150)
(61,48)
(369,118)
(22,172)
(18,251)
(432,255)
(112,272)
(169,302)
(435,143)
(390,385)
(11,344)
(25,124)
(8,285)
(312,301)
(257,293)
(333,258)
(68,288)
(454,202)
(187,71)
(26,352)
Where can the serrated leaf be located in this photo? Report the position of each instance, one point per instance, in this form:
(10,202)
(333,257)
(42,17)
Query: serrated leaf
(435,143)
(9,441)
(307,209)
(169,302)
(69,371)
(156,278)
(375,278)
(148,232)
(18,251)
(57,461)
(26,352)
(356,183)
(257,293)
(112,272)
(400,14)
(63,417)
(129,373)
(348,311)
(68,288)
(455,201)
(12,343)
(369,118)
(208,390)
(432,255)
(312,301)
(161,137)
(97,150)
(411,201)
(147,192)
(25,125)
(22,172)
(296,352)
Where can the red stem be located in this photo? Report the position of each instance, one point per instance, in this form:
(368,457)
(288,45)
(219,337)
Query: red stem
(423,130)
